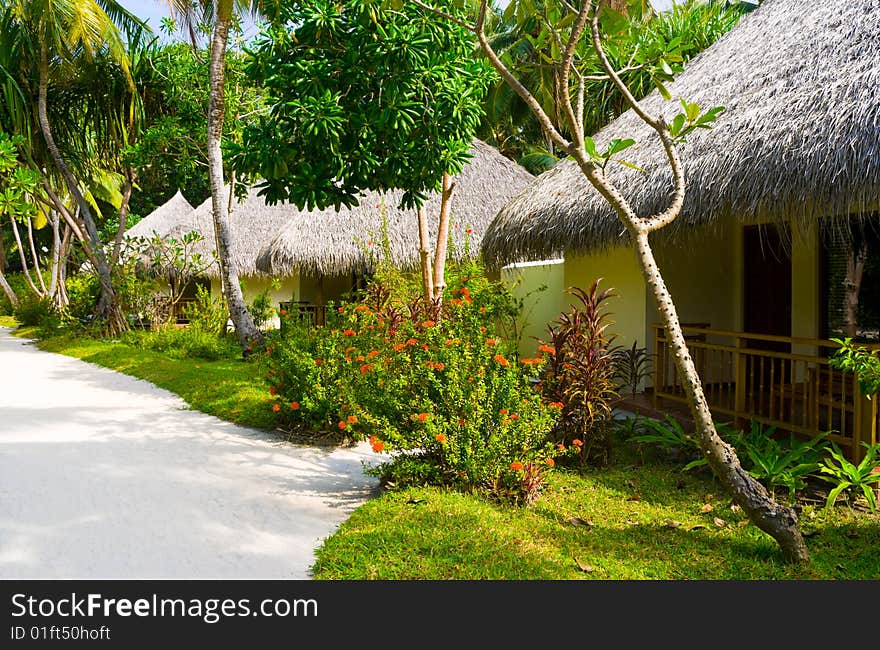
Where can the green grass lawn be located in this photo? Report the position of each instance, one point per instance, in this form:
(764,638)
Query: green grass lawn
(640,518)
(630,521)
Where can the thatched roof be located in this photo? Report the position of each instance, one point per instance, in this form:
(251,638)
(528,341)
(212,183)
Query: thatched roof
(161,220)
(328,242)
(800,138)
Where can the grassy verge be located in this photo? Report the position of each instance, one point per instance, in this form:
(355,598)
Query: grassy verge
(630,521)
(230,389)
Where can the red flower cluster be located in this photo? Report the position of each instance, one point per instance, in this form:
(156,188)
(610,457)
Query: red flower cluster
(500,360)
(555,405)
(276,408)
(376,444)
(428,323)
(349,333)
(577,443)
(294,406)
(516,466)
(440,437)
(547,349)
(352,419)
(367,367)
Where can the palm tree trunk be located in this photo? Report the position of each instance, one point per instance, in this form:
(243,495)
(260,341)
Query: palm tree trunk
(107,309)
(245,328)
(425,256)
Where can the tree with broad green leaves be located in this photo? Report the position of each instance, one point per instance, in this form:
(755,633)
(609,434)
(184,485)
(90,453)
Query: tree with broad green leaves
(592,21)
(364,96)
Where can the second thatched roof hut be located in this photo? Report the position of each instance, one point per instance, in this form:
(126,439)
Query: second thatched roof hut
(330,242)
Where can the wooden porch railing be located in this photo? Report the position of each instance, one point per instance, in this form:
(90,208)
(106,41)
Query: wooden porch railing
(791,387)
(315,314)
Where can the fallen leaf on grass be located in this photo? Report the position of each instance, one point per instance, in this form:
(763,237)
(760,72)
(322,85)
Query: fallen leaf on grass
(719,522)
(734,507)
(586,568)
(672,524)
(743,523)
(577,521)
(707,507)
(634,497)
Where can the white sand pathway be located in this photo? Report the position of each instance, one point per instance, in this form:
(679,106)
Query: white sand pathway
(106,476)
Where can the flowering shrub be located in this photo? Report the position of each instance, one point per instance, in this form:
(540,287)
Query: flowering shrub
(446,392)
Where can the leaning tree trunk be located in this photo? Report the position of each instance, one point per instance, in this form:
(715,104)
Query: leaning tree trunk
(107,309)
(245,328)
(8,290)
(778,521)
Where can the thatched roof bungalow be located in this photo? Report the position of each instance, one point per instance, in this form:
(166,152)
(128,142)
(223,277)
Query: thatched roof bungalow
(777,192)
(330,242)
(170,214)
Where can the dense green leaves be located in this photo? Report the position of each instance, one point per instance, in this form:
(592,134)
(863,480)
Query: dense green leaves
(361,97)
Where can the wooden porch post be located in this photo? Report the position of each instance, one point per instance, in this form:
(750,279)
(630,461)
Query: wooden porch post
(739,394)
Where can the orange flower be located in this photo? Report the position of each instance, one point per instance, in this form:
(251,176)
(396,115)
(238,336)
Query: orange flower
(560,447)
(482,310)
(503,412)
(340,310)
(359,358)
(577,443)
(516,466)
(272,390)
(411,341)
(550,461)
(555,405)
(372,353)
(422,417)
(470,231)
(505,421)
(367,367)
(294,406)
(455,301)
(428,323)
(349,333)
(547,349)
(501,360)
(491,341)
(283,312)
(276,407)
(514,416)
(377,445)
(341,424)
(439,366)
(318,362)
(425,346)
(440,437)
(461,423)
(530,361)
(482,328)
(352,419)
(450,341)
(399,347)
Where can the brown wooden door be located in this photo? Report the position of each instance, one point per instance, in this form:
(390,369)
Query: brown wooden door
(766,285)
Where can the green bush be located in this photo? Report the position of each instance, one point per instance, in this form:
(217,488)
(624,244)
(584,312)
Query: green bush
(19,285)
(207,313)
(448,393)
(83,290)
(31,310)
(185,343)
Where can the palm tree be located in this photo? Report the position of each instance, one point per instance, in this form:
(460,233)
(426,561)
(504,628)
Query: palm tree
(221,13)
(60,32)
